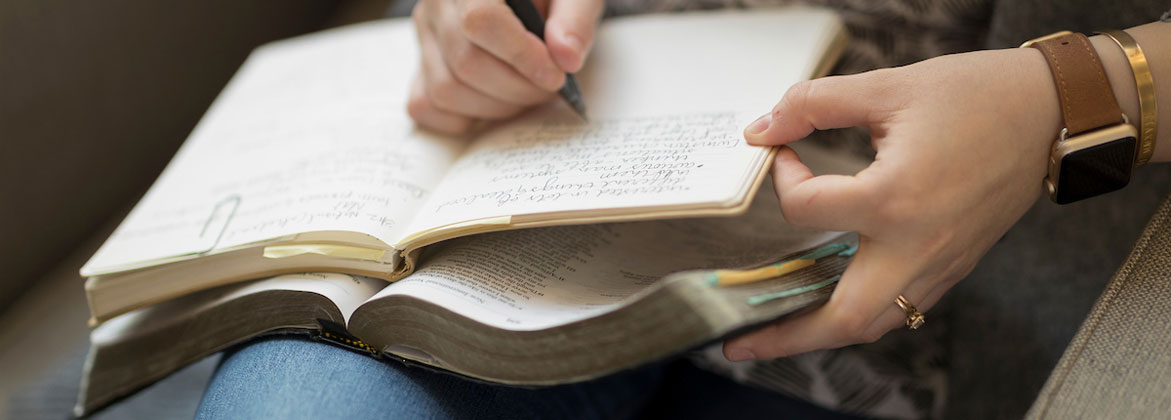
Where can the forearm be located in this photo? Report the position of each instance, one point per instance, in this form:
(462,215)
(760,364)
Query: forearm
(1155,40)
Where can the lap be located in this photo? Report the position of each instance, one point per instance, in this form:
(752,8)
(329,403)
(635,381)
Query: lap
(293,377)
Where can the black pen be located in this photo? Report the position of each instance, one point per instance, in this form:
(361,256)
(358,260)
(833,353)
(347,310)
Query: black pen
(532,20)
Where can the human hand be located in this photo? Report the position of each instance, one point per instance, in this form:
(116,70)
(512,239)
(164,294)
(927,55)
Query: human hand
(478,61)
(962,143)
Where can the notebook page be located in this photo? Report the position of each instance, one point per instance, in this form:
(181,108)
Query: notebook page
(310,135)
(667,106)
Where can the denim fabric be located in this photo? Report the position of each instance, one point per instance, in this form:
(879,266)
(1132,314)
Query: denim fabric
(294,378)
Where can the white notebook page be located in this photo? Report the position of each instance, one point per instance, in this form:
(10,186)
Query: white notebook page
(668,98)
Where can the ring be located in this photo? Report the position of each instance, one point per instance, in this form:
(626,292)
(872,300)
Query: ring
(914,318)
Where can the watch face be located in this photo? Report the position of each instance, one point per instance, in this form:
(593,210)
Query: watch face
(1095,170)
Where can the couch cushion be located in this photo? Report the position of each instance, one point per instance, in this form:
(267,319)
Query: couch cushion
(96,98)
(1119,364)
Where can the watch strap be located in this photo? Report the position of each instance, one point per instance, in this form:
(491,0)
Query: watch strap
(1087,101)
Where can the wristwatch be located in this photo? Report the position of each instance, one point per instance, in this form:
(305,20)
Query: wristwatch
(1096,149)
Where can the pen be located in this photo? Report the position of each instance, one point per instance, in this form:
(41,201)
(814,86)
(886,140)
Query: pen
(532,20)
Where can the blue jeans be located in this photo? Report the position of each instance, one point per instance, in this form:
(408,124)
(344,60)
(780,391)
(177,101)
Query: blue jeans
(290,377)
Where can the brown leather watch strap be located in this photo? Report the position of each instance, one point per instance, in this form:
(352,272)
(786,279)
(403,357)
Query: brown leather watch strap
(1087,101)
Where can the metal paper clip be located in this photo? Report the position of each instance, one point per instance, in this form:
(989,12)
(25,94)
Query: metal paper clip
(234,200)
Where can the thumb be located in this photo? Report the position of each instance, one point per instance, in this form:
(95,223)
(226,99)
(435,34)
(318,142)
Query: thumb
(569,31)
(820,104)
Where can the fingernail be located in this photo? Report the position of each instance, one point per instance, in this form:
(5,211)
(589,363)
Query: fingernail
(548,79)
(760,124)
(574,42)
(740,355)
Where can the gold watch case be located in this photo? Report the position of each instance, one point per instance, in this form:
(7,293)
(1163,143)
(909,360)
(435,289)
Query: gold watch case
(1091,163)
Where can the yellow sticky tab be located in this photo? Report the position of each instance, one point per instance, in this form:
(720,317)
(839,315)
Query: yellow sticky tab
(339,251)
(734,277)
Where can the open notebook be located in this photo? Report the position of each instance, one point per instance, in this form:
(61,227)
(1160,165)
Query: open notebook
(307,162)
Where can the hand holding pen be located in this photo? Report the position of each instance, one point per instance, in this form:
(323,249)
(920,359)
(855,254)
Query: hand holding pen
(479,62)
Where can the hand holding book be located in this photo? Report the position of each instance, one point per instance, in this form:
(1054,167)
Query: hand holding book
(945,186)
(958,164)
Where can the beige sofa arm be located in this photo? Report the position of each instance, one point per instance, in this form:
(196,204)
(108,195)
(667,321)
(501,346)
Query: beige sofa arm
(1119,363)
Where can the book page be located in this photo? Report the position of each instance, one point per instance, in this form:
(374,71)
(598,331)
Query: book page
(345,291)
(310,135)
(140,347)
(667,106)
(542,278)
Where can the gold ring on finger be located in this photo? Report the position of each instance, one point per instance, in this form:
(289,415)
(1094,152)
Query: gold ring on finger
(914,318)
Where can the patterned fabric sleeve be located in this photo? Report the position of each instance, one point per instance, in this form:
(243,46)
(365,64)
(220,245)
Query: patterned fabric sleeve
(901,376)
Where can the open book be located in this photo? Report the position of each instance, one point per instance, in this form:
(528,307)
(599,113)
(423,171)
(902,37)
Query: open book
(307,163)
(530,307)
(307,160)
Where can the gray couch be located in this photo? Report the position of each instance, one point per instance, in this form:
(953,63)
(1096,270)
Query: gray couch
(96,96)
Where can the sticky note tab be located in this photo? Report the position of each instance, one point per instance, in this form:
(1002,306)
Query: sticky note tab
(331,250)
(825,251)
(734,277)
(759,299)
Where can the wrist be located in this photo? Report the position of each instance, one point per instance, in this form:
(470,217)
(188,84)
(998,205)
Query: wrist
(1043,107)
(1152,38)
(1121,78)
(1097,148)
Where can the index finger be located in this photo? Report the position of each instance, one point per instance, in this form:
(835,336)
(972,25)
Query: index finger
(493,26)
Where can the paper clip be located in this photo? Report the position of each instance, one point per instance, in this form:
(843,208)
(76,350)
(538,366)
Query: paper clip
(234,200)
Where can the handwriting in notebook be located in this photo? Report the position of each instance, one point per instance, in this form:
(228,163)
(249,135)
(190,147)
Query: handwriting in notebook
(602,160)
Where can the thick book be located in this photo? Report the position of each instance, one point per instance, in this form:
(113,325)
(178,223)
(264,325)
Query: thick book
(542,250)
